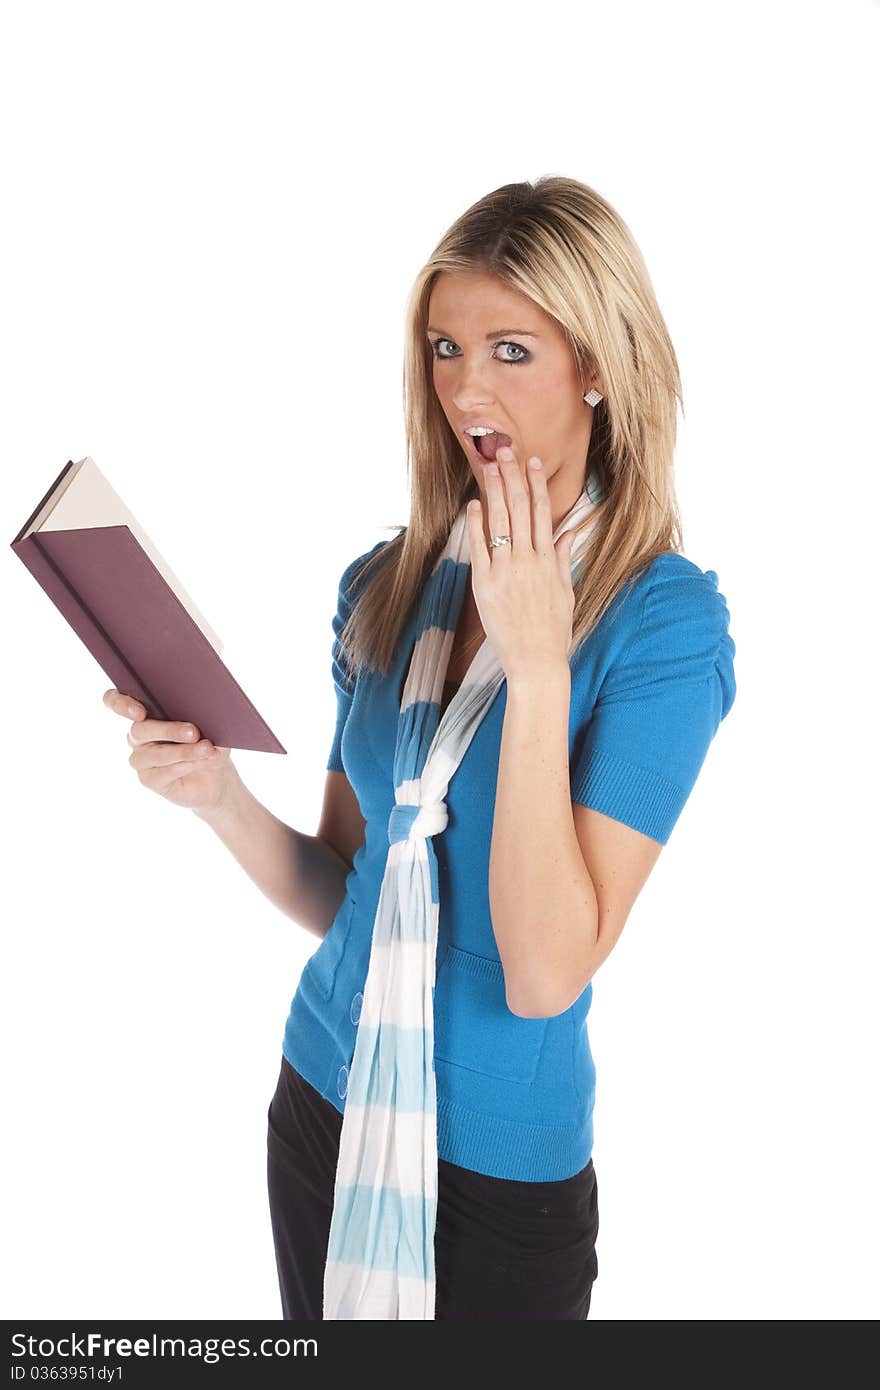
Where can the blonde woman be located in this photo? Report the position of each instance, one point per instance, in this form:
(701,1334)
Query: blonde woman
(528,677)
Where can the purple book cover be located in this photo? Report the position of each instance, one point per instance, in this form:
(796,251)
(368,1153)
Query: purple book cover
(121,607)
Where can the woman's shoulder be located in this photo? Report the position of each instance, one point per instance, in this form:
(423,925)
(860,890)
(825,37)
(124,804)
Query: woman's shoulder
(354,566)
(676,625)
(673,587)
(668,591)
(357,571)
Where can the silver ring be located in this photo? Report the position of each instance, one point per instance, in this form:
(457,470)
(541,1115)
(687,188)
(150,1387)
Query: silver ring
(500,540)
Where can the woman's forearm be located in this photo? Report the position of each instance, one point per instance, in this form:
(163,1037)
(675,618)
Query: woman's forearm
(301,875)
(542,898)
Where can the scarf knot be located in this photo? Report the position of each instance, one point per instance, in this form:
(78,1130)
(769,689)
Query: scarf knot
(417,822)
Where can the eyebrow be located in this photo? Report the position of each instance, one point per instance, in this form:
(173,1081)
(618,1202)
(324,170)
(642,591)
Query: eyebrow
(498,332)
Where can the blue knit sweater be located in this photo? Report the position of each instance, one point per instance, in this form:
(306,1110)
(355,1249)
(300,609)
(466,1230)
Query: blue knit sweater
(649,689)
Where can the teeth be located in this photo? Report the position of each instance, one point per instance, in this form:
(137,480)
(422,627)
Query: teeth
(479,429)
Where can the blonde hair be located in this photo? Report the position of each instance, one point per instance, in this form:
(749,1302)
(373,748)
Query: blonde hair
(560,243)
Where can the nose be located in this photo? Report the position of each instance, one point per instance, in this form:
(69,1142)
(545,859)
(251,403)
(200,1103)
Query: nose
(472,391)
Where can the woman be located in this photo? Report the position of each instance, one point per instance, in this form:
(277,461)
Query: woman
(528,677)
(534,306)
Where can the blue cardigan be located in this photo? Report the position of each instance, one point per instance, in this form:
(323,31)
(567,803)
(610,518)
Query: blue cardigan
(649,689)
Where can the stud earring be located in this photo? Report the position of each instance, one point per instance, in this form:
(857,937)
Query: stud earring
(593,398)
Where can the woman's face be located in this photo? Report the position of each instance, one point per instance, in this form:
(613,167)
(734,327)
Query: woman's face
(499,359)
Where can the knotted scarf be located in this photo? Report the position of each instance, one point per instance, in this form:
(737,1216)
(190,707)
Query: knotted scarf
(380,1258)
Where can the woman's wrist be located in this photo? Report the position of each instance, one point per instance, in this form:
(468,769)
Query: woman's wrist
(231,804)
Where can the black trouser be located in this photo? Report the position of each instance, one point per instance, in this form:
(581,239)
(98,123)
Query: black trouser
(503,1250)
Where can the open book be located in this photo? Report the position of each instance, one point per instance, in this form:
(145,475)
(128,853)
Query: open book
(105,576)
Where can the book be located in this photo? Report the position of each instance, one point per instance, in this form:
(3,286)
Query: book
(104,575)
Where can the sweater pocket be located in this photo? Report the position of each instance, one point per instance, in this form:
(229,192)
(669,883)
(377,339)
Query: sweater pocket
(324,963)
(474,1028)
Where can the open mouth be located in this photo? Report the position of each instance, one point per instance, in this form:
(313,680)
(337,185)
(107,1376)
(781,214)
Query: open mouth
(486,446)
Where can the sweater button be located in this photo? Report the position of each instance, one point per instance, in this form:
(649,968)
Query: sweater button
(342,1082)
(356,1006)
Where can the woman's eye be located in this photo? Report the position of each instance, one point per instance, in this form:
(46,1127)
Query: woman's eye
(508,361)
(517,348)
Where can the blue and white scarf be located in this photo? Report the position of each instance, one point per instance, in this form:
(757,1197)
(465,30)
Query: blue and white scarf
(380,1259)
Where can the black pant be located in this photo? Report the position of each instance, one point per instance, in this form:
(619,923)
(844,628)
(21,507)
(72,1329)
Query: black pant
(503,1251)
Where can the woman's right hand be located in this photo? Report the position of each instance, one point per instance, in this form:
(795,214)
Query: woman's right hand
(171,760)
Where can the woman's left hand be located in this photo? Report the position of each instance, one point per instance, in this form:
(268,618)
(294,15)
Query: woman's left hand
(523,591)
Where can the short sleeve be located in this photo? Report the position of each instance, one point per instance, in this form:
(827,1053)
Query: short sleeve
(660,705)
(343,681)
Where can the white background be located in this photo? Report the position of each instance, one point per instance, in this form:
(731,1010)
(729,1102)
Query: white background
(212,215)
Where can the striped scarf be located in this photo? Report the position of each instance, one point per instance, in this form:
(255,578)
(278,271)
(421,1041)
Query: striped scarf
(380,1258)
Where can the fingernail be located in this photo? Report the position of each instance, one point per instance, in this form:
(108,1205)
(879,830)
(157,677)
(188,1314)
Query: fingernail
(534,463)
(504,452)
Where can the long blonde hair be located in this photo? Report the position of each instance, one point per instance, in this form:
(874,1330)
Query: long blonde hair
(560,243)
